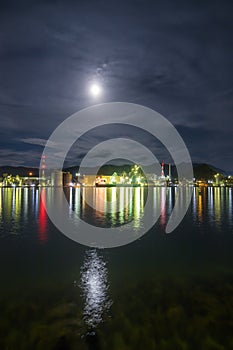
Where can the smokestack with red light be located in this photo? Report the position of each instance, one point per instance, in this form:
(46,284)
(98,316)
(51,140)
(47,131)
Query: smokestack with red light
(162,171)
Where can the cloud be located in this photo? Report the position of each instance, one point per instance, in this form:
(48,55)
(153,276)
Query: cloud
(38,141)
(174,57)
(12,157)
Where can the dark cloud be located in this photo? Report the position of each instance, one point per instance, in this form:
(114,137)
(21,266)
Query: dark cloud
(173,56)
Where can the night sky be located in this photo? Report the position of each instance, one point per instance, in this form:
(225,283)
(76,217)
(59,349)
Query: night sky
(172,56)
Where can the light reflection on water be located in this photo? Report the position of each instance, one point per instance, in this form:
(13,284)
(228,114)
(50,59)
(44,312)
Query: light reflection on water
(19,207)
(230,204)
(94,288)
(51,267)
(42,219)
(212,205)
(108,206)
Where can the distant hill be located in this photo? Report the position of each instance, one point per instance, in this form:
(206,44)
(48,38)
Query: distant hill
(205,171)
(202,171)
(110,169)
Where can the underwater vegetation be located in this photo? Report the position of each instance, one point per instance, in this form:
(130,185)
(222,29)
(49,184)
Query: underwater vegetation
(173,314)
(165,314)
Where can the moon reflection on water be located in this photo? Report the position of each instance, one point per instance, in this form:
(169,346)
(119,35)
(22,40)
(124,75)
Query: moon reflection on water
(94,285)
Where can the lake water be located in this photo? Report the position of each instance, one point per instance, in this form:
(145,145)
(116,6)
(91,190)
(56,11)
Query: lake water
(163,291)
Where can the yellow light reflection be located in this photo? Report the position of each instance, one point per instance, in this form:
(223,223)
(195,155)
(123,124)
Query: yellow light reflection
(18,193)
(136,207)
(113,199)
(122,205)
(101,196)
(7,202)
(0,202)
(200,207)
(217,204)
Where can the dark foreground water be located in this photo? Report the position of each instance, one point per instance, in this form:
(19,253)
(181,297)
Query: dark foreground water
(164,291)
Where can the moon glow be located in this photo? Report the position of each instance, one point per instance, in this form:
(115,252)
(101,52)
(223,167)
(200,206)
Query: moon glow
(95,90)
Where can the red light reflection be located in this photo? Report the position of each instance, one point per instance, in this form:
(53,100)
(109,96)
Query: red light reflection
(42,219)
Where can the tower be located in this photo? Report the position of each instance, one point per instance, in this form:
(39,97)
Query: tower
(43,170)
(169,174)
(162,171)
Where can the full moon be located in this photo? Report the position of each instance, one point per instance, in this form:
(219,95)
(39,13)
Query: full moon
(95,90)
